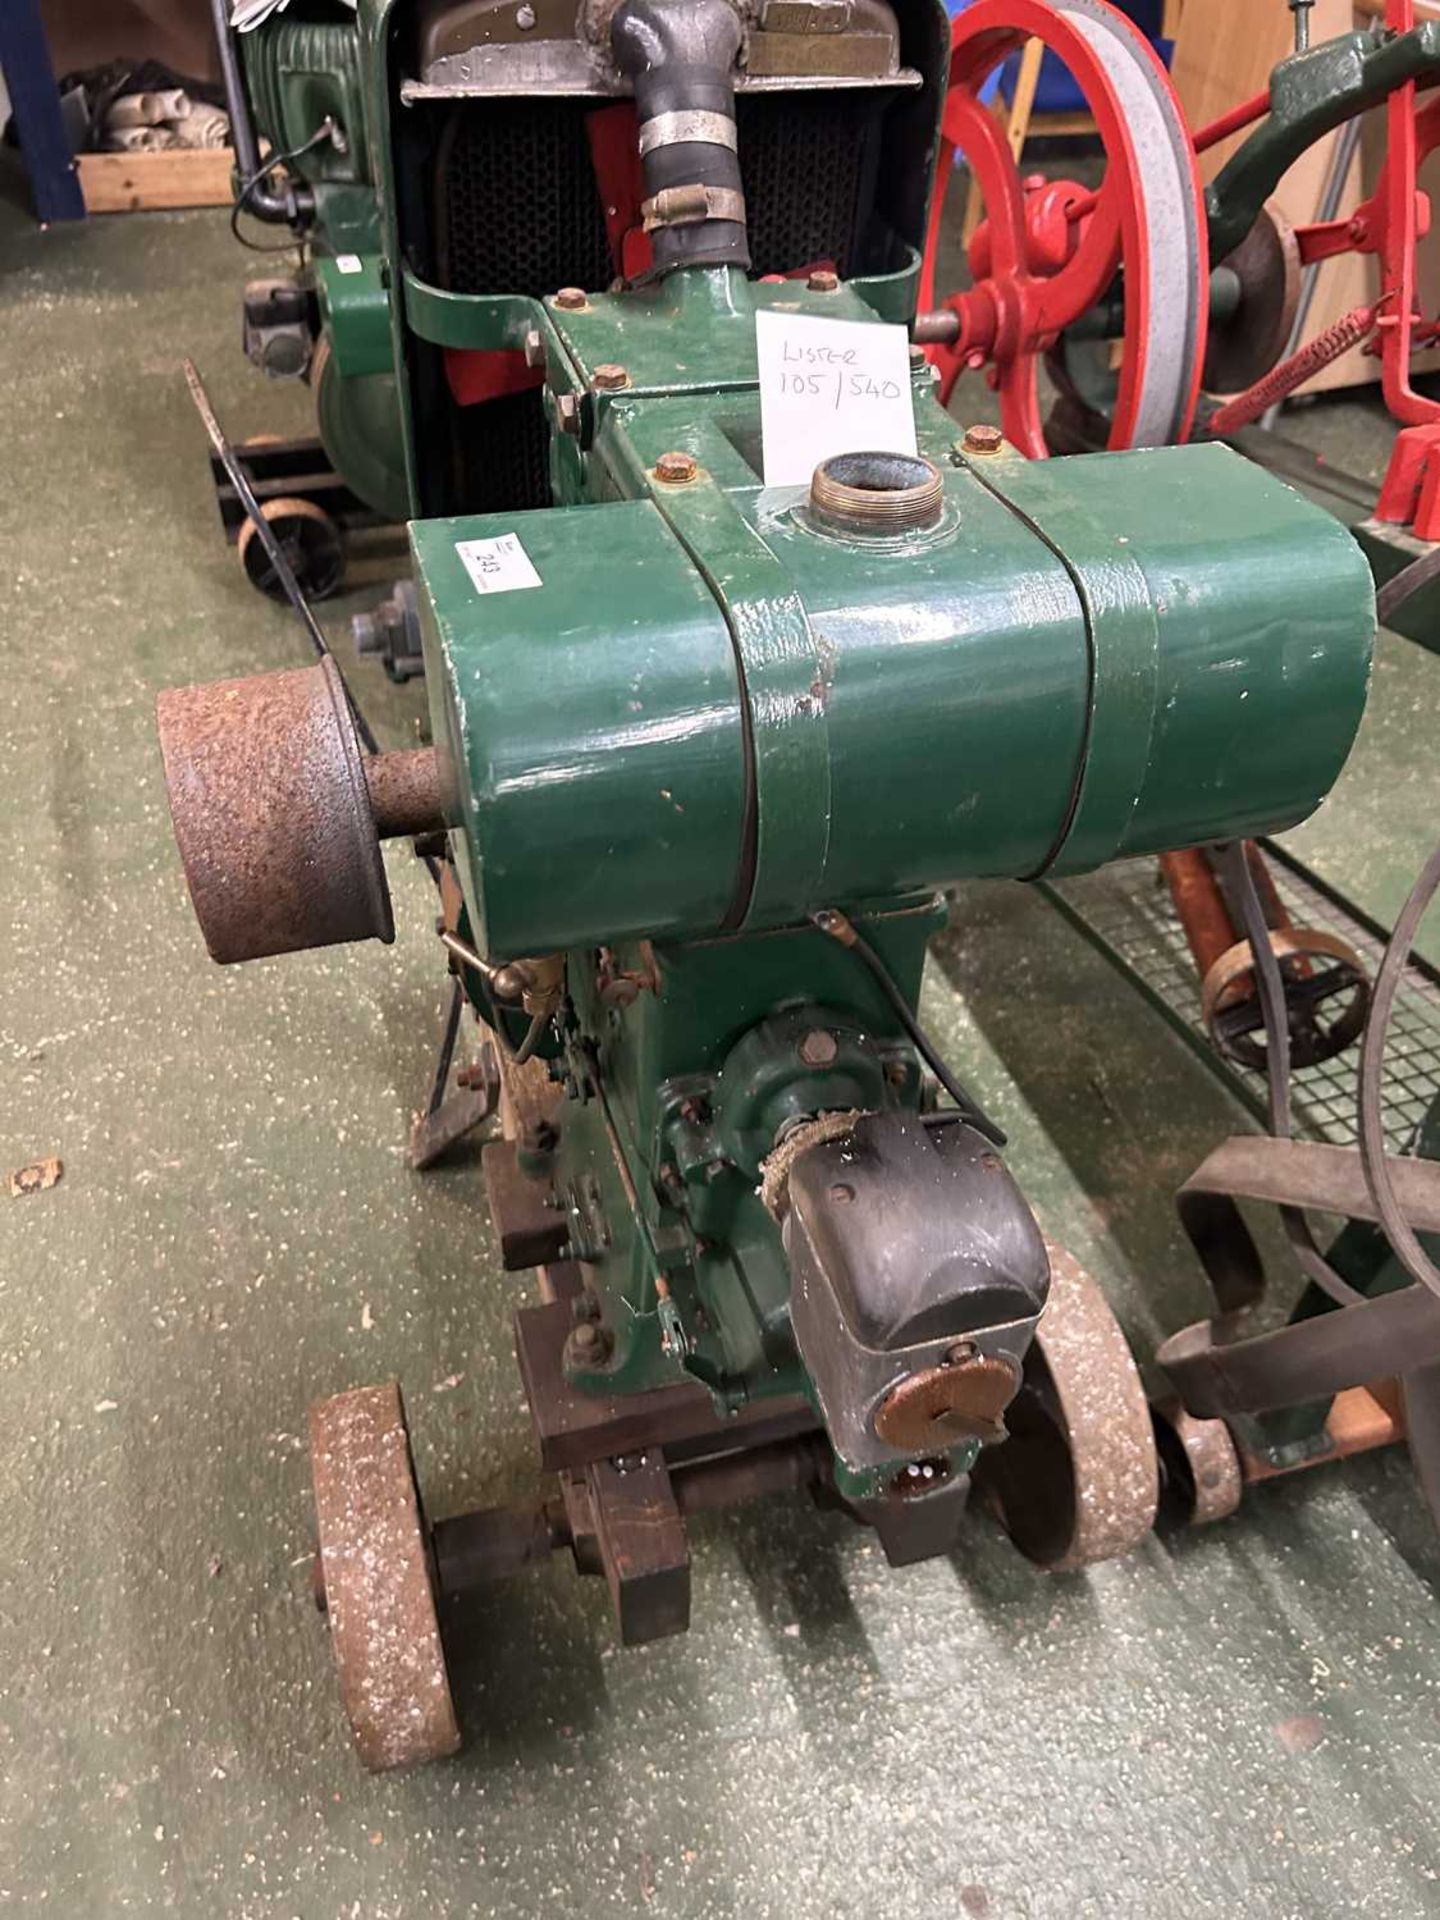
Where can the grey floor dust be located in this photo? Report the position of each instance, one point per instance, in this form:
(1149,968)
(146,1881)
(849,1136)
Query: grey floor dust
(1245,1722)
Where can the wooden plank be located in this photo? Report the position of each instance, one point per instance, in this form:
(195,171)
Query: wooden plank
(135,182)
(530,1228)
(1061,126)
(1361,1419)
(642,1543)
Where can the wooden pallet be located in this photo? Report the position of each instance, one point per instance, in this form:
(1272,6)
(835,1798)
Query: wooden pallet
(177,177)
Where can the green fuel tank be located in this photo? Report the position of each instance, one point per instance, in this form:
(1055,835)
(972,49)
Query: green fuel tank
(706,707)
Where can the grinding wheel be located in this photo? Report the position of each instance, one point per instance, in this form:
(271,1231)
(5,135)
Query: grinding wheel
(1248,341)
(378,1583)
(1077,1480)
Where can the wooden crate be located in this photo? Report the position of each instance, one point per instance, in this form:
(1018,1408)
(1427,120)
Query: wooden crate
(177,177)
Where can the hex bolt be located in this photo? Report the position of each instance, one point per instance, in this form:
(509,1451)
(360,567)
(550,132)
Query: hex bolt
(534,349)
(819,1048)
(983,440)
(962,1351)
(608,377)
(823,281)
(567,413)
(630,1462)
(525,18)
(570,299)
(676,469)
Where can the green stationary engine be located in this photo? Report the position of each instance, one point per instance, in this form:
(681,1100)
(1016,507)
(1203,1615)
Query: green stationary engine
(296,96)
(705,755)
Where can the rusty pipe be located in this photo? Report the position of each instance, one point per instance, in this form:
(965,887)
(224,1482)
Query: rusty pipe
(1209,930)
(405,791)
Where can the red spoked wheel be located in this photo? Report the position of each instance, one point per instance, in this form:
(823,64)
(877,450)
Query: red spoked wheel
(1048,252)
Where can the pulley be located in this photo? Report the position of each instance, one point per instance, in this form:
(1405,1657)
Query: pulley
(1051,253)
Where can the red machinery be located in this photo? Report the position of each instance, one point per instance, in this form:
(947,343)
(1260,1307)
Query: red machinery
(1054,260)
(1126,265)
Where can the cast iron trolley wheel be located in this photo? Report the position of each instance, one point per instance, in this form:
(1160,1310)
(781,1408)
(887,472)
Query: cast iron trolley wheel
(1047,252)
(310,541)
(1201,1478)
(1327,996)
(1077,1480)
(378,1581)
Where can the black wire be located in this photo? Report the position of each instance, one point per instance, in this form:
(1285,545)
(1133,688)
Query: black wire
(1401,1235)
(1235,863)
(322,133)
(533,1035)
(970,1108)
(450,1033)
(265,534)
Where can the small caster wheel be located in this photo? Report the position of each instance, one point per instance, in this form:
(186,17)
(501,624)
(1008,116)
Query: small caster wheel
(378,1581)
(310,541)
(1077,1480)
(1201,1479)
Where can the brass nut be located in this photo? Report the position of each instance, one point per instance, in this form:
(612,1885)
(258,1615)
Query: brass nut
(534,349)
(567,412)
(570,299)
(608,377)
(676,469)
(983,440)
(823,281)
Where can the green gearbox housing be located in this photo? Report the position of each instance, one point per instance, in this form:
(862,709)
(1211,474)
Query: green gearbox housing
(707,754)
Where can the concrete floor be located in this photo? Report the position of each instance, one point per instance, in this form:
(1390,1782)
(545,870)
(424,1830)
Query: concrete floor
(1239,1722)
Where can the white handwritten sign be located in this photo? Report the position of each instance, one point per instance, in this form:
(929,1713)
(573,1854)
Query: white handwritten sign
(827,387)
(498,566)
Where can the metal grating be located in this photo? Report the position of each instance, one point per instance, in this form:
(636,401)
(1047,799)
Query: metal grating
(504,449)
(1127,912)
(518,210)
(803,162)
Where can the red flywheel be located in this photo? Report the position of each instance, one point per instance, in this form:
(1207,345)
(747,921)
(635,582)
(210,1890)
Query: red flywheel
(1049,252)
